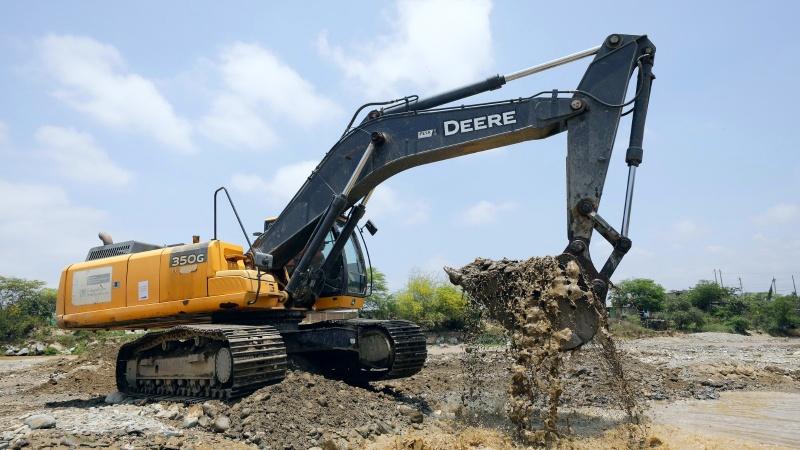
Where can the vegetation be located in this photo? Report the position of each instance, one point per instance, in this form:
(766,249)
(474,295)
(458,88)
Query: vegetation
(644,294)
(24,306)
(431,302)
(709,307)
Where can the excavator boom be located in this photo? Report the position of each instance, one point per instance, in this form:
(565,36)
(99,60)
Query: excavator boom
(414,133)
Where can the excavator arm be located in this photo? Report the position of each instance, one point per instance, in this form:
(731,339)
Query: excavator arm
(414,132)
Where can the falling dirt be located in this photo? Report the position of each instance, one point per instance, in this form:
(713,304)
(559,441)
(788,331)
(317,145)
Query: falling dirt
(547,307)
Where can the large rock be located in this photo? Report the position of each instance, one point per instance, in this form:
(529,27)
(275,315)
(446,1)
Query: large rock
(210,409)
(190,421)
(221,424)
(39,348)
(24,351)
(114,398)
(39,421)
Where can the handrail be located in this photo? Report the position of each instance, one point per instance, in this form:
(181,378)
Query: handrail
(236,213)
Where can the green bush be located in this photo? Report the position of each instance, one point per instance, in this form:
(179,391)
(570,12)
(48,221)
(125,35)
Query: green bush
(426,300)
(705,294)
(644,294)
(629,327)
(781,315)
(379,304)
(24,306)
(432,303)
(738,324)
(683,315)
(50,351)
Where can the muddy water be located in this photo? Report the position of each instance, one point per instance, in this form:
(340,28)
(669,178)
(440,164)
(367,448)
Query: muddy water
(771,418)
(532,299)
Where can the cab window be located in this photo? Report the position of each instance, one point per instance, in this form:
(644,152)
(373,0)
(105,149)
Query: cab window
(354,267)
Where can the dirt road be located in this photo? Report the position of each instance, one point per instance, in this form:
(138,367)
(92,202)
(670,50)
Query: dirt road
(710,389)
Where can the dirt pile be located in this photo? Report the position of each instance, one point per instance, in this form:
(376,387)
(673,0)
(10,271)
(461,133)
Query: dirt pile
(547,306)
(90,373)
(307,410)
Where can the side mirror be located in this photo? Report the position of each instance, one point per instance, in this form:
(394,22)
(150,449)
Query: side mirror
(371,228)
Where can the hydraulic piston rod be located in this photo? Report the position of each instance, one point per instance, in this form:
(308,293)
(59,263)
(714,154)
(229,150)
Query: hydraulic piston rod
(626,214)
(550,64)
(489,84)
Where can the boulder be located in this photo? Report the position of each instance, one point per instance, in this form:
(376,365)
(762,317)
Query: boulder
(210,409)
(24,351)
(221,424)
(39,421)
(204,421)
(114,398)
(190,421)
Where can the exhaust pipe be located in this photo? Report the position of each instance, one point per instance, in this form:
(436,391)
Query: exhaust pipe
(105,237)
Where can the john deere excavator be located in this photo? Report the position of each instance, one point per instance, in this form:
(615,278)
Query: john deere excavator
(227,319)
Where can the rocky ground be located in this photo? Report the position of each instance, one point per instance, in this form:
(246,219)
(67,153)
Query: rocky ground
(63,401)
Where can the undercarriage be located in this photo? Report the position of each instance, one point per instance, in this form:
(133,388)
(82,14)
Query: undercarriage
(227,361)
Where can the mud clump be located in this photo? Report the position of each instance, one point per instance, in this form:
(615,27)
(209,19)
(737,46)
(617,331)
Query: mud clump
(547,306)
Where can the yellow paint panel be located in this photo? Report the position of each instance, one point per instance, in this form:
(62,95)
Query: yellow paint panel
(62,292)
(342,301)
(96,285)
(143,281)
(164,314)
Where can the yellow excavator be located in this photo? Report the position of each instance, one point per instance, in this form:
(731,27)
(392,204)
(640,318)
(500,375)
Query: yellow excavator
(227,320)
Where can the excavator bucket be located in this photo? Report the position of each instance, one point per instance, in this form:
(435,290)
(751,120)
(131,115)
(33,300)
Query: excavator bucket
(546,295)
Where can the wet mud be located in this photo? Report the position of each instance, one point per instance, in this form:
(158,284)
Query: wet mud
(550,311)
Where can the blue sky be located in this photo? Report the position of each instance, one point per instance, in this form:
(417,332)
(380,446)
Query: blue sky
(126,118)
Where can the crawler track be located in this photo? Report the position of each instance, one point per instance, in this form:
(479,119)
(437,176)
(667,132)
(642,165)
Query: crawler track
(252,356)
(408,344)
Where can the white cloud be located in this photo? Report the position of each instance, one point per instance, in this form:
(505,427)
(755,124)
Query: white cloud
(485,212)
(76,156)
(258,84)
(281,187)
(686,229)
(386,204)
(431,45)
(43,230)
(234,123)
(95,81)
(779,214)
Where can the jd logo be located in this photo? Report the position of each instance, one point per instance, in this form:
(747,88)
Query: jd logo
(452,127)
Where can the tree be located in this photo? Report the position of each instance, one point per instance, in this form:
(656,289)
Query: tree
(683,315)
(782,314)
(645,294)
(24,304)
(705,294)
(379,304)
(432,303)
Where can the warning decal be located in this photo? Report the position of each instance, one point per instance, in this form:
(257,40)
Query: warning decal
(144,290)
(91,286)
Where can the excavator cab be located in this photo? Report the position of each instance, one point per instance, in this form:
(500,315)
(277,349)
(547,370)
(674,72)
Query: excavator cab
(349,274)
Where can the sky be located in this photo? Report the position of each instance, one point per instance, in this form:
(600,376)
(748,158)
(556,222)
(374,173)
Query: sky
(126,117)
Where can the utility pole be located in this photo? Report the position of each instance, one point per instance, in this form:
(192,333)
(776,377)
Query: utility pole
(715,276)
(720,279)
(794,291)
(741,288)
